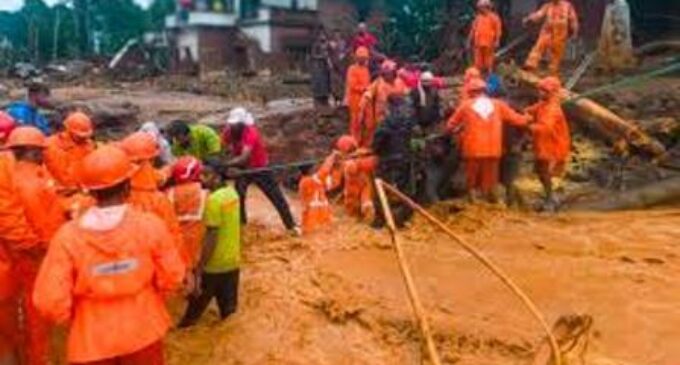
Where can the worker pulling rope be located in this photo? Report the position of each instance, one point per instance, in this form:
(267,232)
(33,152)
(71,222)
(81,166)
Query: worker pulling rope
(528,303)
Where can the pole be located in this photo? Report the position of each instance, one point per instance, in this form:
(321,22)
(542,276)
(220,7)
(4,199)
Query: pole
(528,303)
(417,306)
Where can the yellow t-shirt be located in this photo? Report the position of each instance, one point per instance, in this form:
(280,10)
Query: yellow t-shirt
(222,213)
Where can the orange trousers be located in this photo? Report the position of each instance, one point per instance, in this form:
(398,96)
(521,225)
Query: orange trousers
(151,355)
(34,329)
(484,58)
(482,174)
(547,43)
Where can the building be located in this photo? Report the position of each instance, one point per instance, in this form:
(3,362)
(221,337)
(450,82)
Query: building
(241,34)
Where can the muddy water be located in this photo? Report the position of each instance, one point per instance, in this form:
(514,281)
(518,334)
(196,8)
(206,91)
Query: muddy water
(337,297)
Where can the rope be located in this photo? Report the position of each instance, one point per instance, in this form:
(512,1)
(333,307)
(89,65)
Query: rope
(486,262)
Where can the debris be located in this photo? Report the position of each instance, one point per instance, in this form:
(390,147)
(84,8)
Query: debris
(663,192)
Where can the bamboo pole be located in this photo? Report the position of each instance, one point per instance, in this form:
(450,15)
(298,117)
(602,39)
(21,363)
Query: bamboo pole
(417,306)
(528,303)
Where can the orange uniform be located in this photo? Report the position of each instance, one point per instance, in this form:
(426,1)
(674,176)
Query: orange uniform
(146,197)
(358,81)
(189,201)
(16,236)
(63,157)
(358,188)
(373,106)
(485,37)
(559,21)
(551,136)
(105,274)
(480,121)
(316,210)
(45,215)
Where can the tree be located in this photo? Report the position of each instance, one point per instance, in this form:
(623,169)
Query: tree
(157,12)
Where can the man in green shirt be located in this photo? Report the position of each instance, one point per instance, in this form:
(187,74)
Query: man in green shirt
(195,140)
(217,272)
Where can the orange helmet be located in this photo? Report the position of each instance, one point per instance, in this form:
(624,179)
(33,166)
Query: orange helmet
(471,73)
(346,144)
(550,84)
(187,169)
(26,137)
(476,85)
(7,125)
(140,146)
(362,52)
(106,167)
(79,124)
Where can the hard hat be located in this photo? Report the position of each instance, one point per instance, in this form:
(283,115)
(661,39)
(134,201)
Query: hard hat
(362,52)
(471,73)
(388,66)
(484,3)
(187,169)
(79,124)
(346,144)
(427,76)
(140,146)
(240,115)
(550,84)
(476,85)
(106,167)
(26,137)
(7,125)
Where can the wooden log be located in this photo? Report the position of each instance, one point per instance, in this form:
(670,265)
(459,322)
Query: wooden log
(595,117)
(659,193)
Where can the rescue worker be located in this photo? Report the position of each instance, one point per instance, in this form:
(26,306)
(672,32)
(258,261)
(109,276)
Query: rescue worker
(66,150)
(189,199)
(373,106)
(485,36)
(478,123)
(17,237)
(218,269)
(559,23)
(358,190)
(392,145)
(551,137)
(195,140)
(358,80)
(248,151)
(28,112)
(316,210)
(45,215)
(145,194)
(107,273)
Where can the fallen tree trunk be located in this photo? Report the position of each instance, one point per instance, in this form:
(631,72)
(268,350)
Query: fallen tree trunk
(659,193)
(595,117)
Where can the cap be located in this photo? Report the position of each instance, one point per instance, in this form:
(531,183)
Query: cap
(140,146)
(240,115)
(362,52)
(476,85)
(388,66)
(427,76)
(346,144)
(187,169)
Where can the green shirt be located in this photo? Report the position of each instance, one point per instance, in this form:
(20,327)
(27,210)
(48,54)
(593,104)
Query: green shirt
(222,213)
(204,142)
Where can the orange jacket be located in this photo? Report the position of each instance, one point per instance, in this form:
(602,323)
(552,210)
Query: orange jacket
(63,158)
(551,136)
(358,80)
(146,197)
(189,202)
(481,120)
(316,210)
(558,20)
(486,30)
(42,205)
(358,189)
(106,274)
(374,100)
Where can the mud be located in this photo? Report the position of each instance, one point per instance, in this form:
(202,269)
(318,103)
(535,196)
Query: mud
(339,298)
